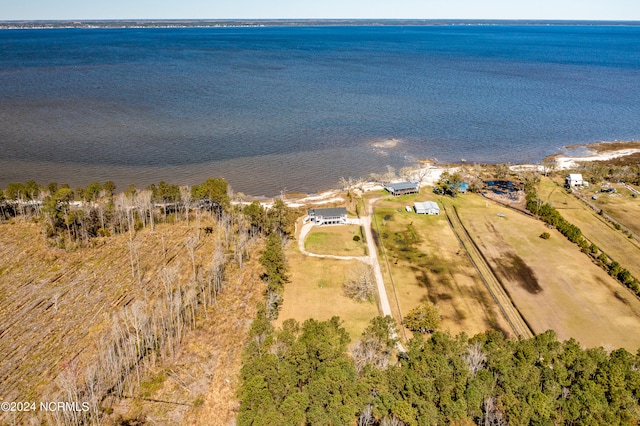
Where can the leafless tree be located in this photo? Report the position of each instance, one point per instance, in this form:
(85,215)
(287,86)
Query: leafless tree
(475,358)
(492,415)
(391,420)
(366,418)
(359,285)
(371,351)
(185,196)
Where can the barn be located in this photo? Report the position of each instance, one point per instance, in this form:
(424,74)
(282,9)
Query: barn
(426,207)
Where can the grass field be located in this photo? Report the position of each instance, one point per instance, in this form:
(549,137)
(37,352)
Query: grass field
(427,263)
(336,240)
(551,282)
(614,243)
(620,205)
(315,291)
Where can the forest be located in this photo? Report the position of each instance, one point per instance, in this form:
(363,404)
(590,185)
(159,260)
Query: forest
(306,374)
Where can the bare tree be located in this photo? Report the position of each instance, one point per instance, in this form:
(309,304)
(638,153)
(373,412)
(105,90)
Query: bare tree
(492,415)
(371,351)
(185,196)
(475,358)
(359,285)
(366,418)
(391,420)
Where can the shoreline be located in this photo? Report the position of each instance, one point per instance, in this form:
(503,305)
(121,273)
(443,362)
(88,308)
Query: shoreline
(429,173)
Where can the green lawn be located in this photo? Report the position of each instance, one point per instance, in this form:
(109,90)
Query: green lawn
(336,240)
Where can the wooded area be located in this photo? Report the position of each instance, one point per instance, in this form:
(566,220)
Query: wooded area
(304,374)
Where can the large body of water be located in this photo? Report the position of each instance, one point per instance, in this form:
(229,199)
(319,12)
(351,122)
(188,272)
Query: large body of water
(296,108)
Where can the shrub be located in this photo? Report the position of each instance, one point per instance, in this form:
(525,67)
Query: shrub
(545,235)
(425,318)
(356,238)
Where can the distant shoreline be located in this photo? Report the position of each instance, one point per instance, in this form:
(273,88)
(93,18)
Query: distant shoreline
(233,23)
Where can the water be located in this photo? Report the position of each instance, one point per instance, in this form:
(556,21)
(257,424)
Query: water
(296,108)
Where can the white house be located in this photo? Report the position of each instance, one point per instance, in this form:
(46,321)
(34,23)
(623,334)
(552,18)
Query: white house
(335,216)
(575,179)
(426,207)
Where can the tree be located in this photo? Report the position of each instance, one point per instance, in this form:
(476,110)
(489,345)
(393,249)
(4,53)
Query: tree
(359,286)
(213,189)
(376,345)
(449,184)
(109,188)
(92,191)
(257,216)
(281,219)
(425,318)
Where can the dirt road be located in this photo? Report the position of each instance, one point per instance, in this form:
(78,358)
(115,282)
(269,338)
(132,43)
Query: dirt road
(511,314)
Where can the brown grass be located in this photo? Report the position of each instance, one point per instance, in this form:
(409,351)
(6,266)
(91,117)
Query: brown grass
(620,206)
(617,245)
(551,282)
(315,291)
(427,263)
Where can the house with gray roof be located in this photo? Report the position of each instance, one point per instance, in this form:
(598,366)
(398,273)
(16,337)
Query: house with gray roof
(402,188)
(332,216)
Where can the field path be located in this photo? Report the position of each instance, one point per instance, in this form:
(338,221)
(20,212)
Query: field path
(371,259)
(511,314)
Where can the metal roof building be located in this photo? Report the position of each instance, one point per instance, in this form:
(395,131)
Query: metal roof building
(402,188)
(426,207)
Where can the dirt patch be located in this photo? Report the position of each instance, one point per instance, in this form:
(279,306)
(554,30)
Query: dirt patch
(513,267)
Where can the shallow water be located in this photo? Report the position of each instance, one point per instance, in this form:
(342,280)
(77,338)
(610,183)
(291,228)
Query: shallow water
(296,108)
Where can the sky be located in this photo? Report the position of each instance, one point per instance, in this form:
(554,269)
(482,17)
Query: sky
(318,9)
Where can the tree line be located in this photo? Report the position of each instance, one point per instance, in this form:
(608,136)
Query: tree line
(550,215)
(306,374)
(76,216)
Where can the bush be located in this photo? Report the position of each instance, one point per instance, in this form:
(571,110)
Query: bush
(356,238)
(545,235)
(425,318)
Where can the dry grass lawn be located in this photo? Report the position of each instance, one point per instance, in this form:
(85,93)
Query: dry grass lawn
(620,205)
(616,244)
(551,282)
(335,240)
(315,291)
(427,263)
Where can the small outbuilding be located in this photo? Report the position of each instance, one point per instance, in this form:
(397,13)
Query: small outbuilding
(575,179)
(426,207)
(332,216)
(402,188)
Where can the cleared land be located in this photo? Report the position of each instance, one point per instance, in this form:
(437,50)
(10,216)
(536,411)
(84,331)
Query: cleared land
(552,283)
(614,243)
(57,305)
(427,263)
(336,240)
(315,291)
(621,206)
(517,323)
